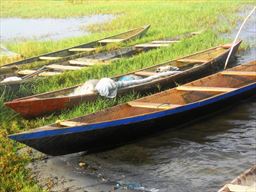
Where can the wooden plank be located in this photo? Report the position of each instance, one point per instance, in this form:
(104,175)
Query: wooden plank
(145,73)
(152,105)
(152,45)
(26,72)
(192,60)
(211,89)
(239,73)
(49,58)
(69,123)
(84,62)
(250,63)
(241,188)
(111,40)
(63,67)
(42,74)
(87,49)
(48,73)
(165,41)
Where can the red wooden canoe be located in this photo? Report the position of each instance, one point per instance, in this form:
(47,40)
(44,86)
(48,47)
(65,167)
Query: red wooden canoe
(192,67)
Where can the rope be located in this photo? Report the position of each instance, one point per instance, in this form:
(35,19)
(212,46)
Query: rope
(234,42)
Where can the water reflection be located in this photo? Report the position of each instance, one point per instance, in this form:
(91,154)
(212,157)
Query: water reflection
(17,29)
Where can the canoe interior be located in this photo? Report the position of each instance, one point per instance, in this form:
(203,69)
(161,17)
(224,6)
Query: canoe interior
(207,55)
(172,97)
(244,182)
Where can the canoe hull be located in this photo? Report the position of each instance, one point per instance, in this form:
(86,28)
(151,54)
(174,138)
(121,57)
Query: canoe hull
(66,51)
(100,139)
(62,103)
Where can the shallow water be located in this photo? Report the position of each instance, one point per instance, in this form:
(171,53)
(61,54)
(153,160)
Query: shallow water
(18,29)
(198,157)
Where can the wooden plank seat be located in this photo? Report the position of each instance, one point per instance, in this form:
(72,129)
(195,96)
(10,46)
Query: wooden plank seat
(111,40)
(63,67)
(210,89)
(145,73)
(26,72)
(84,62)
(41,74)
(151,45)
(152,105)
(192,60)
(240,188)
(239,73)
(165,41)
(69,123)
(86,49)
(49,58)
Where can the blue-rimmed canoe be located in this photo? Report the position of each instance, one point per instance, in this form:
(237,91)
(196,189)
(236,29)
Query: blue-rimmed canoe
(131,120)
(191,67)
(79,50)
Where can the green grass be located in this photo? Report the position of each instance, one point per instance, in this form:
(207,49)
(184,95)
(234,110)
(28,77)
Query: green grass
(167,18)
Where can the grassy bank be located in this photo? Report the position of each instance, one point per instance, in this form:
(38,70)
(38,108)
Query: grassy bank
(167,18)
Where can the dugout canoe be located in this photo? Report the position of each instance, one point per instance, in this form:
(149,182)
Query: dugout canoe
(191,67)
(101,58)
(83,49)
(125,122)
(246,182)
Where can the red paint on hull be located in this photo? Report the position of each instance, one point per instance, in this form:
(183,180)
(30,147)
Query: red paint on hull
(35,107)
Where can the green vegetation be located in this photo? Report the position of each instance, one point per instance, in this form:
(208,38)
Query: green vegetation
(167,18)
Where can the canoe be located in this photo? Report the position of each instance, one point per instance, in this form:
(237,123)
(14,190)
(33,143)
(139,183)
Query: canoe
(191,67)
(122,123)
(77,51)
(246,182)
(104,57)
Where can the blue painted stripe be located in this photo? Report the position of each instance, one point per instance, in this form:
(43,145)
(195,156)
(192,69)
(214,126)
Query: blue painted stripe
(90,127)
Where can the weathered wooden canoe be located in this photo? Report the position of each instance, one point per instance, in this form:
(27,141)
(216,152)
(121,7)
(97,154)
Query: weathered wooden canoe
(128,121)
(246,182)
(104,57)
(73,52)
(192,67)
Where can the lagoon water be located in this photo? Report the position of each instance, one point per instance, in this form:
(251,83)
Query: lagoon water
(18,29)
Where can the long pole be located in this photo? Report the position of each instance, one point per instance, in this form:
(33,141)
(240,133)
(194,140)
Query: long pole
(233,44)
